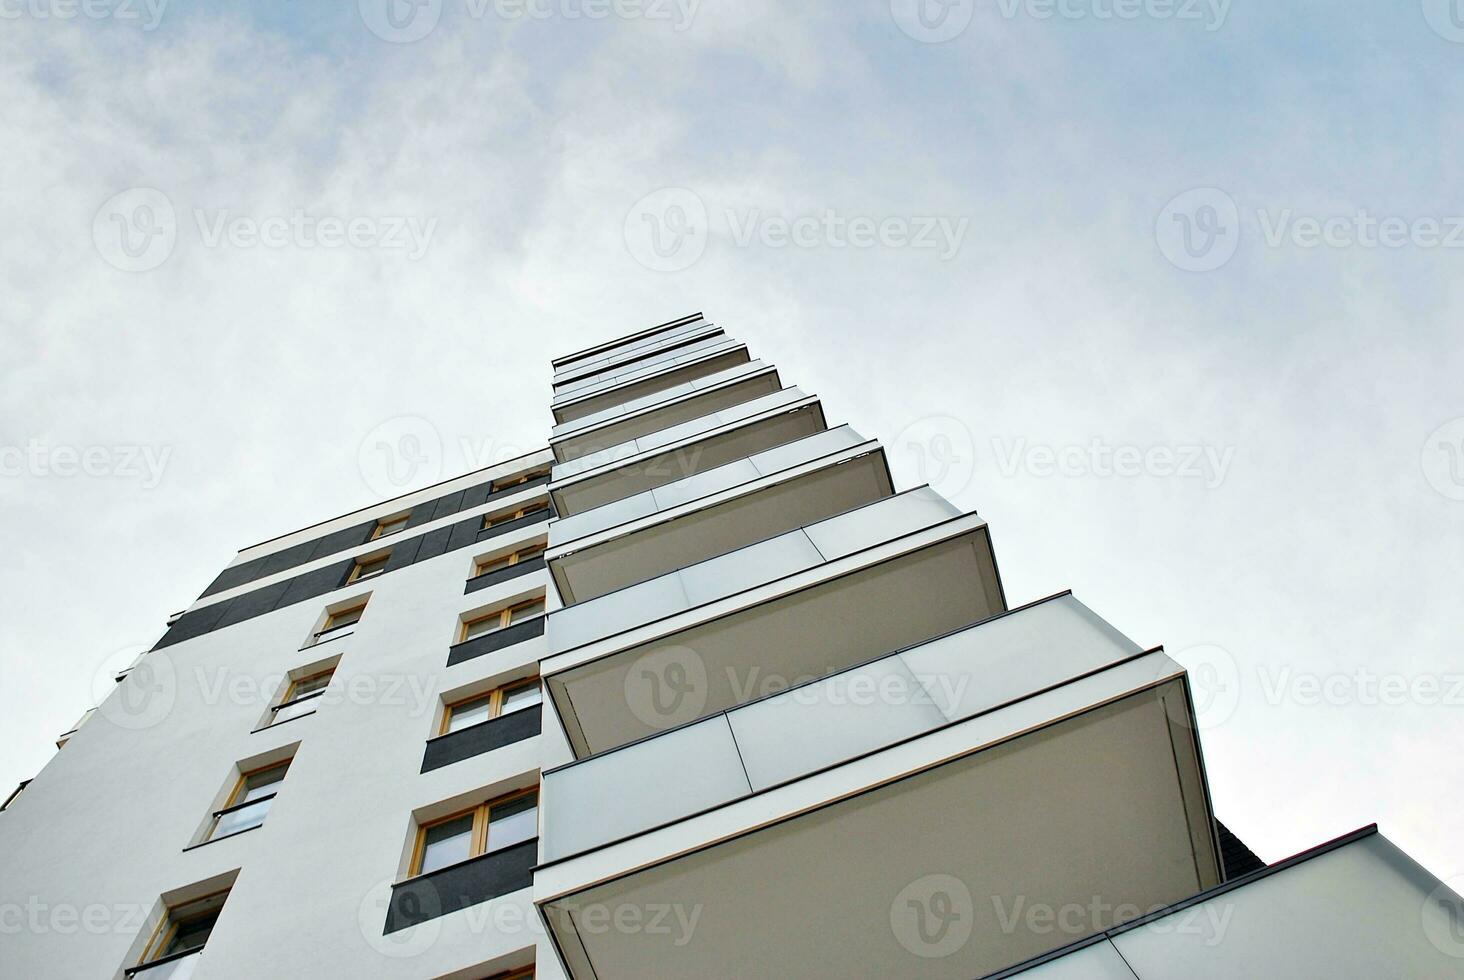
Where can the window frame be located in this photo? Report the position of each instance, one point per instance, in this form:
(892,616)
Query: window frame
(167,928)
(232,802)
(478,842)
(396,523)
(331,617)
(513,514)
(381,558)
(495,703)
(291,698)
(519,479)
(505,617)
(527,552)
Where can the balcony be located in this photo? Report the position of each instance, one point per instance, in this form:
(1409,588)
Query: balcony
(682,523)
(614,349)
(1039,756)
(1356,907)
(684,450)
(803,604)
(601,392)
(670,344)
(661,409)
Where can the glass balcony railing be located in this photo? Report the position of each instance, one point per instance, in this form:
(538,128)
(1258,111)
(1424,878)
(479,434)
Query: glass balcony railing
(178,967)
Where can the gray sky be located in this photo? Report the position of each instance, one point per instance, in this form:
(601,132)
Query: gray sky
(1215,415)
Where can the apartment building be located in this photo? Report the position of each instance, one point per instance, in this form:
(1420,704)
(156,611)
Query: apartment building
(695,691)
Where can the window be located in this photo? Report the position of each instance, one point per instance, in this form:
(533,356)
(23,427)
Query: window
(249,801)
(390,525)
(495,704)
(519,479)
(369,567)
(300,696)
(182,933)
(503,517)
(486,565)
(482,830)
(501,619)
(337,621)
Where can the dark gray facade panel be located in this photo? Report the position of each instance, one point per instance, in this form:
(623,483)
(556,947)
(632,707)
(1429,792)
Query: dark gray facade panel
(468,883)
(493,642)
(478,739)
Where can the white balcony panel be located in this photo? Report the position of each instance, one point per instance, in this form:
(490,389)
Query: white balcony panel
(734,505)
(663,457)
(616,373)
(613,349)
(1359,908)
(813,622)
(1091,789)
(663,375)
(656,349)
(692,399)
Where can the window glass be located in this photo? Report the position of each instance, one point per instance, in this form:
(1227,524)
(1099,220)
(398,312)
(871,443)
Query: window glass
(191,934)
(447,843)
(494,564)
(261,783)
(513,822)
(469,713)
(244,818)
(488,624)
(346,617)
(523,696)
(527,611)
(310,685)
(391,525)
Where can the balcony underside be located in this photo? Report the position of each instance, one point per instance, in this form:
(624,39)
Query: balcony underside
(581,403)
(1090,791)
(664,409)
(799,606)
(831,472)
(682,451)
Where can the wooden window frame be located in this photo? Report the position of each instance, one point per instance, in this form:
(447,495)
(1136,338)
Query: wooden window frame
(331,617)
(398,524)
(478,843)
(525,553)
(519,479)
(504,516)
(505,618)
(239,785)
(291,697)
(495,702)
(381,557)
(168,926)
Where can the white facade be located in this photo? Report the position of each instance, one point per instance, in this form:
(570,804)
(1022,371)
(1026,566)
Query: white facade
(791,726)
